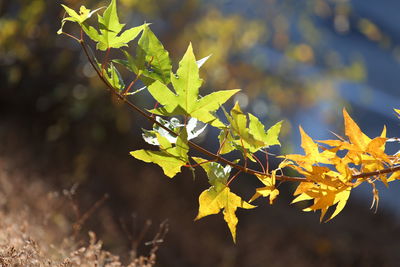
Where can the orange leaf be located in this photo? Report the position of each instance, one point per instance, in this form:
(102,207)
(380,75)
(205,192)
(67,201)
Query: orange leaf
(354,133)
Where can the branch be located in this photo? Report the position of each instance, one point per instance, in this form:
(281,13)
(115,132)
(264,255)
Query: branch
(383,171)
(215,157)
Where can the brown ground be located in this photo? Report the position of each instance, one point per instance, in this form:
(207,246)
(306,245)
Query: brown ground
(36,229)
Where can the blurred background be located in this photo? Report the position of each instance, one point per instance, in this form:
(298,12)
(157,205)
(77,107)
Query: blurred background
(300,61)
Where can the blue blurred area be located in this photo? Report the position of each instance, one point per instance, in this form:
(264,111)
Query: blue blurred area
(372,101)
(351,37)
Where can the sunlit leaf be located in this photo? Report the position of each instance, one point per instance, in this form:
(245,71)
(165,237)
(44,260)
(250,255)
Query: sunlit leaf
(152,52)
(110,30)
(185,98)
(323,197)
(269,190)
(170,158)
(80,18)
(248,135)
(356,136)
(269,138)
(216,173)
(312,153)
(114,77)
(192,128)
(219,197)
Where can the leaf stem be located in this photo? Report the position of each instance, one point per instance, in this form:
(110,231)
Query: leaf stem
(71,36)
(105,60)
(233,178)
(223,143)
(130,85)
(259,162)
(198,164)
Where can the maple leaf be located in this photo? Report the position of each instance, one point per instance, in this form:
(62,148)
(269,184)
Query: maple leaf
(114,78)
(244,134)
(219,197)
(269,137)
(359,142)
(170,158)
(111,35)
(269,190)
(193,131)
(312,154)
(361,150)
(354,133)
(79,18)
(151,62)
(185,100)
(324,197)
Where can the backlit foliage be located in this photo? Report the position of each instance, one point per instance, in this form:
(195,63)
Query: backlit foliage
(328,170)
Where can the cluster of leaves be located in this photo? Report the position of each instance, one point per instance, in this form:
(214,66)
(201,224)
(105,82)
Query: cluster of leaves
(329,169)
(340,166)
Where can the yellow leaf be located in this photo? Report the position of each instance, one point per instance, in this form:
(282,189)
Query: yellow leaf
(341,200)
(394,176)
(354,133)
(217,198)
(310,148)
(268,190)
(312,154)
(377,148)
(303,187)
(339,144)
(341,165)
(383,134)
(324,197)
(301,197)
(398,112)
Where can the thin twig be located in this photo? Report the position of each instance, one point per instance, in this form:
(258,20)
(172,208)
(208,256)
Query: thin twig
(233,178)
(383,171)
(259,162)
(78,225)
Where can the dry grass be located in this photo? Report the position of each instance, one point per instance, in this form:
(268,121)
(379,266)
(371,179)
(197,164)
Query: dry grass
(35,229)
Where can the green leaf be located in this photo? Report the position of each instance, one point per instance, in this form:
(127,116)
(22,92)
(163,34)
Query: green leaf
(191,128)
(91,32)
(185,98)
(114,77)
(219,197)
(249,136)
(80,18)
(129,63)
(240,134)
(269,138)
(110,30)
(215,172)
(170,158)
(152,59)
(132,65)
